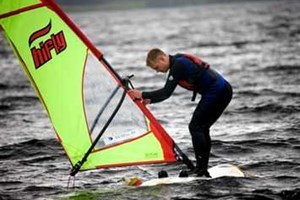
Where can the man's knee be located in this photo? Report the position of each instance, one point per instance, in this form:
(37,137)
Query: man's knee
(193,127)
(196,128)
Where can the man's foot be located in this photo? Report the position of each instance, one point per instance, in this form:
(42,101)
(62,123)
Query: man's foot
(199,172)
(195,172)
(204,173)
(183,173)
(163,174)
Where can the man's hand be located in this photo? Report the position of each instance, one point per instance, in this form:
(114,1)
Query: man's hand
(146,101)
(136,94)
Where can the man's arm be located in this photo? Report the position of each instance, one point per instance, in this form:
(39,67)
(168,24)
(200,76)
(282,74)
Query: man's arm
(176,72)
(161,94)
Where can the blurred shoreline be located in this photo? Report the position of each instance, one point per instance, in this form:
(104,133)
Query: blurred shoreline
(104,5)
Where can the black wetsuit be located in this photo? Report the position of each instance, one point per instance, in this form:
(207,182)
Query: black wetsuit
(215,91)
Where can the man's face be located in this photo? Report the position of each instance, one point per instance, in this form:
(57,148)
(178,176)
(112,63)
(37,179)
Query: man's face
(161,64)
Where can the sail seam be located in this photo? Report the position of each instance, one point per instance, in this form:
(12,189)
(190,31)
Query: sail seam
(18,11)
(121,143)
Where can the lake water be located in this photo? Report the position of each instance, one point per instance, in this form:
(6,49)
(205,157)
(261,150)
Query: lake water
(256,46)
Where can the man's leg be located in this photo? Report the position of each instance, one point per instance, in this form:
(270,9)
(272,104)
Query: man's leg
(205,115)
(199,129)
(222,101)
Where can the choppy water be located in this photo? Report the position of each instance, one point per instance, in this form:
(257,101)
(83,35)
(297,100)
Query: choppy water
(257,48)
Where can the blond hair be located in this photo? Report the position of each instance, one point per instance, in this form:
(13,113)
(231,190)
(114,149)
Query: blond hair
(152,55)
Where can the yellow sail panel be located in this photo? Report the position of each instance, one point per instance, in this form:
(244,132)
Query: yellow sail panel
(8,8)
(80,93)
(54,59)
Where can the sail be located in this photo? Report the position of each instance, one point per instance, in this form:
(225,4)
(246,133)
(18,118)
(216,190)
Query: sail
(80,90)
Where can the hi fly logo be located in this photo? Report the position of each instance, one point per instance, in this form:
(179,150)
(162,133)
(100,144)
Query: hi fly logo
(50,46)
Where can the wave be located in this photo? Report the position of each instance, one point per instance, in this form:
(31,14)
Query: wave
(271,164)
(272,108)
(40,189)
(237,44)
(263,143)
(33,150)
(290,194)
(24,98)
(267,92)
(288,69)
(4,106)
(293,194)
(230,147)
(12,102)
(3,86)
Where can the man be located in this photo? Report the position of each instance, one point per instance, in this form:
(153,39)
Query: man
(196,75)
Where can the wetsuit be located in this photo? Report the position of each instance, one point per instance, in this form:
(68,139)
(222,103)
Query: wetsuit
(216,93)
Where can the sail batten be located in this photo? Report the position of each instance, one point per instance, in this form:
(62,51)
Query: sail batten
(80,90)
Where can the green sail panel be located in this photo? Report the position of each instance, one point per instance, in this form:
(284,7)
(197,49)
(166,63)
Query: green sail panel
(7,7)
(76,87)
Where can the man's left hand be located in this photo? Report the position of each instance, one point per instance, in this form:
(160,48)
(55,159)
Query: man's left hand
(136,94)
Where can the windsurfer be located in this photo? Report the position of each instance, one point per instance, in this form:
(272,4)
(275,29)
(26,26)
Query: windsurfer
(196,75)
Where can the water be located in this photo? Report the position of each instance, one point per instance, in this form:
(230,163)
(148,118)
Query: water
(254,45)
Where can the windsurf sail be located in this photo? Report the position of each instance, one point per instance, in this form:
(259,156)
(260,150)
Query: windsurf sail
(80,91)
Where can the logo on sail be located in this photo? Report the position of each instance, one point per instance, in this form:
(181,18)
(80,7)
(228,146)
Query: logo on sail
(43,52)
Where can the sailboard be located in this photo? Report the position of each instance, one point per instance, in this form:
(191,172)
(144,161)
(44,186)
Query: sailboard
(96,121)
(222,170)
